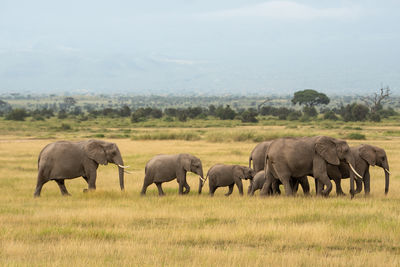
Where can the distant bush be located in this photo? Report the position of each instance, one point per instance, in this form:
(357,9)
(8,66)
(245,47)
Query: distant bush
(330,115)
(355,112)
(294,115)
(225,113)
(18,114)
(249,115)
(310,111)
(65,127)
(356,136)
(374,117)
(62,114)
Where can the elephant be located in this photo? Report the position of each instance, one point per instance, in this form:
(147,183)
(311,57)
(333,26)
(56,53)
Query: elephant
(257,155)
(365,156)
(259,180)
(297,157)
(67,160)
(164,168)
(227,175)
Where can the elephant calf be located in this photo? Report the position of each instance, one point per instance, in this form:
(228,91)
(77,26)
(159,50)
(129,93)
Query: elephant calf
(165,168)
(259,180)
(227,175)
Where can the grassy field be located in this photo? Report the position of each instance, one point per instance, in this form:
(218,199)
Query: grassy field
(109,227)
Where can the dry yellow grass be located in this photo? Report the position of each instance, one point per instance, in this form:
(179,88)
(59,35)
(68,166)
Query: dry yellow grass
(108,227)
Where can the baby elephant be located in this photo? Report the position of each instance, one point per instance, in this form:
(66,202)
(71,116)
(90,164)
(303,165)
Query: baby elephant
(165,168)
(259,180)
(227,175)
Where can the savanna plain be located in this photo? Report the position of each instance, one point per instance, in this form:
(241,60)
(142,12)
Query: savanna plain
(110,227)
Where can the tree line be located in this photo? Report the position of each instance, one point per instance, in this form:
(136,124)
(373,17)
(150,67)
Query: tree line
(304,108)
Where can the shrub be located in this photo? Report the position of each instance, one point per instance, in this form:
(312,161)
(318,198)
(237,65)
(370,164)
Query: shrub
(294,115)
(65,127)
(354,112)
(62,115)
(249,116)
(330,115)
(356,136)
(18,114)
(310,111)
(374,117)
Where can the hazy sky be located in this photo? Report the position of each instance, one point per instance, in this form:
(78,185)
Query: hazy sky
(202,46)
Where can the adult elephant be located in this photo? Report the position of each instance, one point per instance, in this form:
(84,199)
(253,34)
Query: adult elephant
(365,156)
(165,168)
(298,157)
(227,175)
(257,155)
(67,160)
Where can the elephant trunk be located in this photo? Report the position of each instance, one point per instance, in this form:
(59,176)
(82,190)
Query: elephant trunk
(387,174)
(120,163)
(201,183)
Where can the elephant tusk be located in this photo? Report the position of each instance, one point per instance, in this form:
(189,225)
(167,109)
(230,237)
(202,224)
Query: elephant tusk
(386,170)
(356,173)
(202,179)
(122,166)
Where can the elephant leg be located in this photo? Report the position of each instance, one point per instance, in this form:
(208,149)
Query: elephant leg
(187,188)
(92,180)
(294,183)
(160,191)
(40,182)
(367,180)
(269,179)
(304,185)
(230,190)
(324,179)
(319,187)
(339,191)
(239,184)
(212,189)
(249,189)
(62,187)
(147,181)
(86,179)
(286,184)
(275,190)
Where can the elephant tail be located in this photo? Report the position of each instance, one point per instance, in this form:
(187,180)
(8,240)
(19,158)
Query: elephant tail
(250,158)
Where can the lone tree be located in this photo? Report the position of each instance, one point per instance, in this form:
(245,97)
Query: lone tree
(310,98)
(374,102)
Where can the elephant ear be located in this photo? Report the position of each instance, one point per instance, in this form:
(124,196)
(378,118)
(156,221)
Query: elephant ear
(326,148)
(95,151)
(368,154)
(186,162)
(238,171)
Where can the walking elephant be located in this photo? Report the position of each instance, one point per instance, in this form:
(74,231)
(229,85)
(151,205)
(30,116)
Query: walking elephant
(365,156)
(227,175)
(257,155)
(165,168)
(306,156)
(67,160)
(259,180)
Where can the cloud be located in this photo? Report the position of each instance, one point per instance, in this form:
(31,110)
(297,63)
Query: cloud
(177,61)
(285,10)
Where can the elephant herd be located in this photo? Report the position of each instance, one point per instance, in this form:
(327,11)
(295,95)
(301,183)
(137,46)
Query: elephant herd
(286,161)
